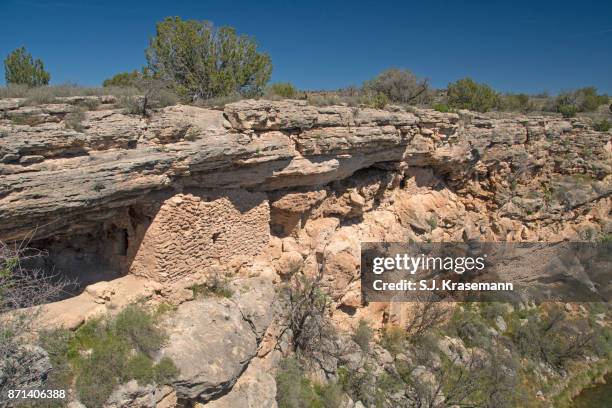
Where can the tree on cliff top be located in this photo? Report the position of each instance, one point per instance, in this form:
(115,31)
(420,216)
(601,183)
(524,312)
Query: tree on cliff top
(467,94)
(205,61)
(21,69)
(123,80)
(399,85)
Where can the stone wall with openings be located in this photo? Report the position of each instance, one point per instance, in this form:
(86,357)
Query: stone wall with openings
(201,233)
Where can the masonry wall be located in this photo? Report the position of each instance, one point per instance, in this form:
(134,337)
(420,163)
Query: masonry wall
(197,232)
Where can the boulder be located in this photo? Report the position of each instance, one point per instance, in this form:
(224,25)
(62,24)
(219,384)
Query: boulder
(212,340)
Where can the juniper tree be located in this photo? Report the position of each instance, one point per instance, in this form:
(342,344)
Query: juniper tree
(21,69)
(204,61)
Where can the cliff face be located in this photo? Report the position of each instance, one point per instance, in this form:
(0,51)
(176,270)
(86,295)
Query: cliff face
(146,207)
(190,188)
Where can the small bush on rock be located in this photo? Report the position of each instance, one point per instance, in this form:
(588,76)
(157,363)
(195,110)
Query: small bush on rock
(567,111)
(295,390)
(215,286)
(123,80)
(468,94)
(602,126)
(363,335)
(106,352)
(442,107)
(398,85)
(307,317)
(379,101)
(393,339)
(74,120)
(516,103)
(283,89)
(583,99)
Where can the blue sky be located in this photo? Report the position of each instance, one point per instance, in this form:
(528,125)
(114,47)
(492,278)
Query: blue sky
(520,46)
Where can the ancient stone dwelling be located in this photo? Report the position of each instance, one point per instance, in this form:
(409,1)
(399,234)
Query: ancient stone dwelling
(134,207)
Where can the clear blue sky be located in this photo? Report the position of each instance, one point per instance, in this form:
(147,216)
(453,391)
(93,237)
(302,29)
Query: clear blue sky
(521,46)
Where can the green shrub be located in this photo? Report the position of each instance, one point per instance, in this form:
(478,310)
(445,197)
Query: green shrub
(470,327)
(164,97)
(467,94)
(358,383)
(283,89)
(205,62)
(567,111)
(89,104)
(602,126)
(138,327)
(123,80)
(165,370)
(130,104)
(552,338)
(20,68)
(379,101)
(105,352)
(490,310)
(141,368)
(216,286)
(516,103)
(295,390)
(583,99)
(442,107)
(393,339)
(398,85)
(363,335)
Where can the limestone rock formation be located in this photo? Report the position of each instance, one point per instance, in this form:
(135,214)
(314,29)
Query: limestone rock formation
(213,340)
(263,190)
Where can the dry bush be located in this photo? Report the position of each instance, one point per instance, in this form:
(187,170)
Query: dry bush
(21,289)
(307,319)
(74,120)
(427,314)
(154,93)
(400,86)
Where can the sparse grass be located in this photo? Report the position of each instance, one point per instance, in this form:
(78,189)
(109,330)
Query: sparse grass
(131,104)
(295,390)
(379,101)
(215,287)
(74,120)
(393,338)
(164,308)
(442,107)
(220,102)
(106,352)
(27,120)
(567,111)
(89,104)
(282,89)
(98,186)
(433,221)
(363,335)
(602,125)
(47,94)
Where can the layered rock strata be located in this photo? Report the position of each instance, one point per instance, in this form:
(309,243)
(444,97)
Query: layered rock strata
(190,188)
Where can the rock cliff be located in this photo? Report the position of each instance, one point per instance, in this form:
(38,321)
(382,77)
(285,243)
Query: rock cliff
(146,206)
(121,193)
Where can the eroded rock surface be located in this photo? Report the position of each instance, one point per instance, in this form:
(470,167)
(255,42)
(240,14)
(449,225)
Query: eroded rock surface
(212,340)
(264,190)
